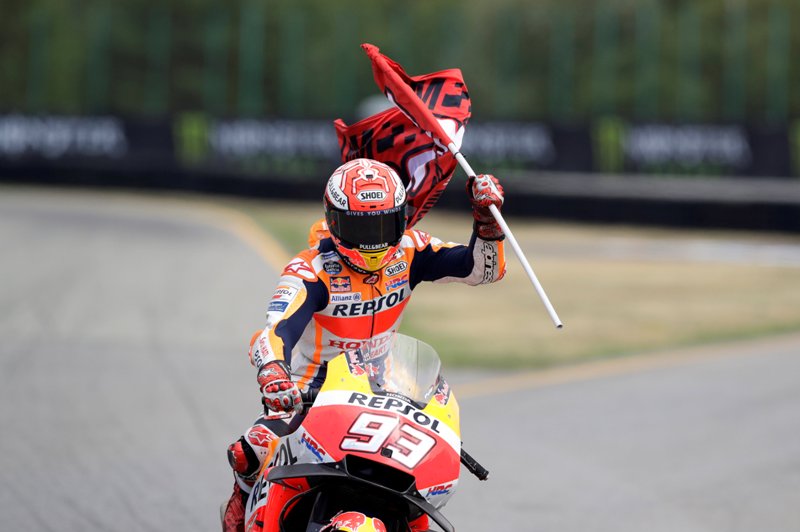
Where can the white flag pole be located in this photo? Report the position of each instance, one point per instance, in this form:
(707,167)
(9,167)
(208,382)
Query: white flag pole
(513,241)
(429,123)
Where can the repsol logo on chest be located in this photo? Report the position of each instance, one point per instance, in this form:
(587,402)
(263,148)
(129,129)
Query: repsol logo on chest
(370,307)
(395,405)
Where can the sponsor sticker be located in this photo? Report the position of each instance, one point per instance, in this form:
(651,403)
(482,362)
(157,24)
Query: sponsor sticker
(355,363)
(340,284)
(489,261)
(312,446)
(332,267)
(278,306)
(284,293)
(441,489)
(365,247)
(345,298)
(370,349)
(372,195)
(403,408)
(350,521)
(300,268)
(259,351)
(442,394)
(372,279)
(336,197)
(394,284)
(372,306)
(396,269)
(260,436)
(422,238)
(346,345)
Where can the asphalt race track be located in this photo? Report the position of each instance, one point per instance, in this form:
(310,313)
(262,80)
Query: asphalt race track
(124,375)
(703,440)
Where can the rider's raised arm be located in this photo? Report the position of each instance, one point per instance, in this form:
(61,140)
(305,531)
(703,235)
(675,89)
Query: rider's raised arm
(299,294)
(481,262)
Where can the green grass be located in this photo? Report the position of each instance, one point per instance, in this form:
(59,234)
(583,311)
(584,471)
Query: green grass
(611,303)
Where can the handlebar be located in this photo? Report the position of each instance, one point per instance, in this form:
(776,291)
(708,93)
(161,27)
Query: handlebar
(309,395)
(473,466)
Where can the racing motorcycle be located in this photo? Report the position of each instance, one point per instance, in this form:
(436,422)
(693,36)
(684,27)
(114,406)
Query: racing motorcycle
(378,449)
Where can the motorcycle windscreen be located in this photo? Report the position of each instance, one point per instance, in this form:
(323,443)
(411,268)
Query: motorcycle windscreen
(411,368)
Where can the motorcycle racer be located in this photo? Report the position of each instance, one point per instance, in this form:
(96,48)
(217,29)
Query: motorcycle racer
(349,290)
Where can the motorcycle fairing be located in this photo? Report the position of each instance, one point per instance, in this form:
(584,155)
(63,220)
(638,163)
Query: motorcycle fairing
(420,439)
(345,374)
(285,475)
(424,441)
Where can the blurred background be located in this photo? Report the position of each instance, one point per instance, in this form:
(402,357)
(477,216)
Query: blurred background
(240,96)
(567,62)
(161,160)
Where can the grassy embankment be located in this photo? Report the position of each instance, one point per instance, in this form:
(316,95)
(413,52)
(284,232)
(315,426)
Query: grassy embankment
(617,290)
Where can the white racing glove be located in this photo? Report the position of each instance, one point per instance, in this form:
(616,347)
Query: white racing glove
(280,392)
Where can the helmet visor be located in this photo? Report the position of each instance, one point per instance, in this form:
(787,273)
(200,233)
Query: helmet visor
(368,230)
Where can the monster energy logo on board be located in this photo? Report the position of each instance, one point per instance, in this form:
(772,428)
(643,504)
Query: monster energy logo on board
(794,142)
(191,138)
(608,137)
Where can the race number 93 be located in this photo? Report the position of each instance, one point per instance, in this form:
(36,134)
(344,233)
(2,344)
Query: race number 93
(372,432)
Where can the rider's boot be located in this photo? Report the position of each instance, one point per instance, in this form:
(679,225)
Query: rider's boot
(246,457)
(232,513)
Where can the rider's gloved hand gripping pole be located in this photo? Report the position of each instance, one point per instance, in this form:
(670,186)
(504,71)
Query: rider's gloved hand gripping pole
(407,100)
(510,238)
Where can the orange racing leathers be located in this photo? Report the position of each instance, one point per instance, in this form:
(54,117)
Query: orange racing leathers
(322,307)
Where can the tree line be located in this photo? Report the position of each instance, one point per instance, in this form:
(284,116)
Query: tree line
(565,61)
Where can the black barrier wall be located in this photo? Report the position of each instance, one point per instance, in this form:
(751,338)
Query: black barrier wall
(271,157)
(297,148)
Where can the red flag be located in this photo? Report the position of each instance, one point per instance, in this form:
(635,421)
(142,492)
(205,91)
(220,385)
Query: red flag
(435,102)
(403,140)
